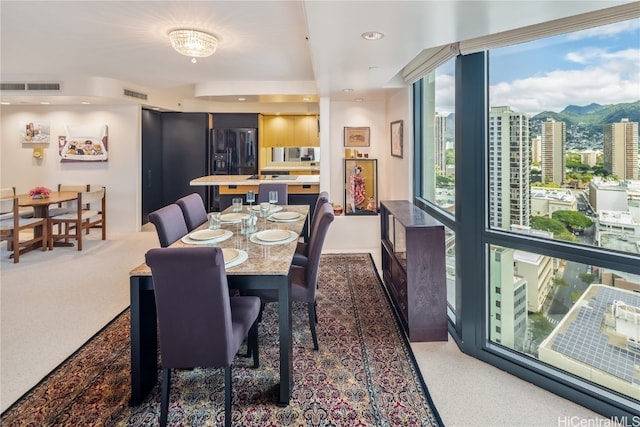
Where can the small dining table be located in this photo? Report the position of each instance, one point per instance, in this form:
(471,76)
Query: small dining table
(41,207)
(266,267)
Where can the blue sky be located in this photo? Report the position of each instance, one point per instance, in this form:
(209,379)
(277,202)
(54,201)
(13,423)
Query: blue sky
(600,65)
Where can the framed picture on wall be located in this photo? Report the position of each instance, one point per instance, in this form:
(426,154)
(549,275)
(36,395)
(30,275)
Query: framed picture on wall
(356,137)
(34,132)
(396,138)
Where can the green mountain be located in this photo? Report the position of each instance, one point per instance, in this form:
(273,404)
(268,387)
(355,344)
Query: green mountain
(586,123)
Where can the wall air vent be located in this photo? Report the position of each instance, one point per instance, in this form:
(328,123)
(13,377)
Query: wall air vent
(43,86)
(13,86)
(134,94)
(37,86)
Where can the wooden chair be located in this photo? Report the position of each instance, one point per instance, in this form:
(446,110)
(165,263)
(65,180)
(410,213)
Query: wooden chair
(199,324)
(74,223)
(25,212)
(12,224)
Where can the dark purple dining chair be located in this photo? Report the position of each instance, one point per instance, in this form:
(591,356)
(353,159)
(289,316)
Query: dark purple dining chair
(170,224)
(193,209)
(199,324)
(281,188)
(302,250)
(304,280)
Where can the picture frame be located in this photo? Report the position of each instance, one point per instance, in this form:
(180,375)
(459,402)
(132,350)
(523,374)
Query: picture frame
(356,136)
(396,139)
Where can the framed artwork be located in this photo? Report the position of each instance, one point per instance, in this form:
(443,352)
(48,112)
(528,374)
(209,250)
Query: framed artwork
(396,138)
(356,137)
(34,133)
(84,143)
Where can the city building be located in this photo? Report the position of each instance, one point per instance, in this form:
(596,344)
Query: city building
(597,339)
(621,149)
(607,195)
(441,144)
(545,201)
(553,139)
(509,168)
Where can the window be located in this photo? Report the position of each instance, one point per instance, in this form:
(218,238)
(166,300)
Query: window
(546,215)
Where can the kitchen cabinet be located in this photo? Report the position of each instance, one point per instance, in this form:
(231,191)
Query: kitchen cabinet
(278,131)
(290,131)
(413,269)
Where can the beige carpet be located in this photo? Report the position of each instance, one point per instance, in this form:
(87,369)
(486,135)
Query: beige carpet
(52,302)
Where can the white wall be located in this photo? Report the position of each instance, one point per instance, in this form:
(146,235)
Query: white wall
(120,174)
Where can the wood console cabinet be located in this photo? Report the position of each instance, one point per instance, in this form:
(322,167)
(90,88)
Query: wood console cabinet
(413,269)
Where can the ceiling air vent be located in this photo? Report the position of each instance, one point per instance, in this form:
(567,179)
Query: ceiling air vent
(13,86)
(43,86)
(134,94)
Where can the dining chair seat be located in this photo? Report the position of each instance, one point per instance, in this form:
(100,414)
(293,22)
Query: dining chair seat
(304,279)
(13,224)
(199,324)
(81,219)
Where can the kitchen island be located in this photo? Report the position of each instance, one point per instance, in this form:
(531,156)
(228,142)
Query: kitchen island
(301,189)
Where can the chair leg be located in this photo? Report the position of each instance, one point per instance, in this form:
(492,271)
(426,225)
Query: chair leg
(253,344)
(228,393)
(79,234)
(164,404)
(258,320)
(312,324)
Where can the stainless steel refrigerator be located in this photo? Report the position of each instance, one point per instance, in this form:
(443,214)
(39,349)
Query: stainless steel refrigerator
(233,151)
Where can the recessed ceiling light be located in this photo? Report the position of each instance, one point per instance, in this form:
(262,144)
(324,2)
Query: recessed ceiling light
(242,99)
(347,90)
(306,98)
(44,103)
(372,35)
(5,103)
(359,99)
(85,103)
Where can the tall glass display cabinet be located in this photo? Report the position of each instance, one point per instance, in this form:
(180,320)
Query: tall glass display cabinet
(361,186)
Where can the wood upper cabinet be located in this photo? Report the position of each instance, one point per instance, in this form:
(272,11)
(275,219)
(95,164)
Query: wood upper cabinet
(278,131)
(306,131)
(290,131)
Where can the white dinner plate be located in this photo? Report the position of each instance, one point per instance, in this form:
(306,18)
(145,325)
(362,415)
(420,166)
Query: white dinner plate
(232,217)
(273,235)
(276,208)
(207,234)
(230,255)
(286,216)
(211,241)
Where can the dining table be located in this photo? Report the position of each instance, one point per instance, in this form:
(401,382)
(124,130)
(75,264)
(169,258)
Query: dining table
(257,264)
(41,208)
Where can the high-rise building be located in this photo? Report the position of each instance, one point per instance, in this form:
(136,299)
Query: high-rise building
(509,168)
(440,144)
(536,149)
(621,149)
(553,140)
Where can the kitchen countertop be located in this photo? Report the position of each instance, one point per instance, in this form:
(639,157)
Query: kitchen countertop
(244,179)
(292,167)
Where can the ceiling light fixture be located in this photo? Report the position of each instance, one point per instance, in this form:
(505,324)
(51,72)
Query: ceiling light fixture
(372,35)
(193,43)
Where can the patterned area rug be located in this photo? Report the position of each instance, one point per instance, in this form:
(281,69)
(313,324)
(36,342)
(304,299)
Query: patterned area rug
(363,375)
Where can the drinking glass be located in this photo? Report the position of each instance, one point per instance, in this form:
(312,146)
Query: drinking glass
(273,198)
(264,212)
(236,204)
(251,197)
(214,220)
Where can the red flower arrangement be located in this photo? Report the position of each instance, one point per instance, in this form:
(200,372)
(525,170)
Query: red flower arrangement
(39,193)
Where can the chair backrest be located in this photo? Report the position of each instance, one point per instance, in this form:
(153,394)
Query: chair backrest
(324,219)
(192,306)
(6,206)
(281,188)
(7,192)
(323,198)
(170,224)
(193,209)
(76,188)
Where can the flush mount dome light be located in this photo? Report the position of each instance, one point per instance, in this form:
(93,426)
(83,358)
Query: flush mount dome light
(193,43)
(372,35)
